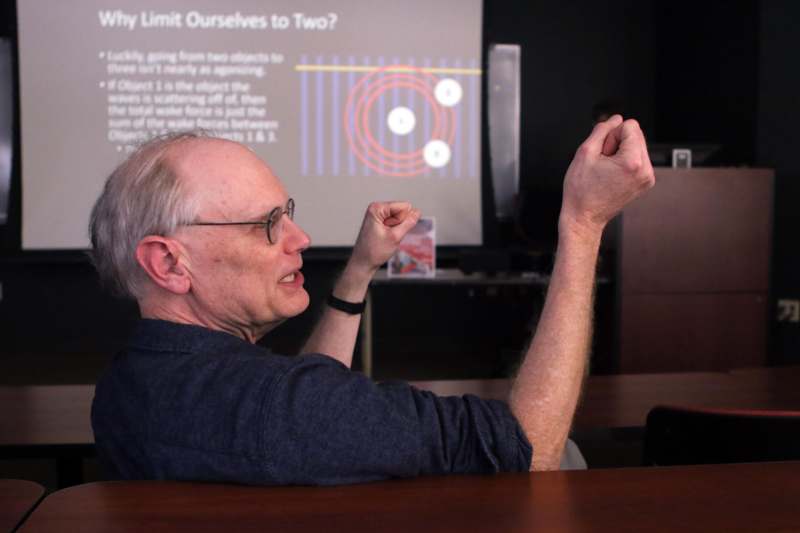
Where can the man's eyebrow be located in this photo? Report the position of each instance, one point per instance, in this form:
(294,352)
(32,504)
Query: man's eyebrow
(264,216)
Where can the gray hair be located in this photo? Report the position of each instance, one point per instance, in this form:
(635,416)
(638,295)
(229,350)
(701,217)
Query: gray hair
(142,196)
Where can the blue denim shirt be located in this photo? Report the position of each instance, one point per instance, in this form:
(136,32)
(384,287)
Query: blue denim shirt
(188,403)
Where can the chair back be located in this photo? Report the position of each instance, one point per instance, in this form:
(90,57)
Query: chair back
(685,436)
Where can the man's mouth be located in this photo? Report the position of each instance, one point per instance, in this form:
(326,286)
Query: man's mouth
(289,278)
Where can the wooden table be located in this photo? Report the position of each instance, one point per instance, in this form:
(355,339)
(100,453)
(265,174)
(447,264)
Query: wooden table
(17,498)
(48,421)
(623,401)
(747,497)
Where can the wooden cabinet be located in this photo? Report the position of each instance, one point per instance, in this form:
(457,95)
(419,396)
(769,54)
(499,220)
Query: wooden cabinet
(693,279)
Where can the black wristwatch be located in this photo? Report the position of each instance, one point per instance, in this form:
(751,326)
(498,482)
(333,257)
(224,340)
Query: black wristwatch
(348,307)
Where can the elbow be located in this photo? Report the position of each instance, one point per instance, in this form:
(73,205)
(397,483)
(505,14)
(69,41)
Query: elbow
(545,462)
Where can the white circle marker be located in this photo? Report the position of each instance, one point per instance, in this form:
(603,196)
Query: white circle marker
(448,92)
(401,120)
(436,153)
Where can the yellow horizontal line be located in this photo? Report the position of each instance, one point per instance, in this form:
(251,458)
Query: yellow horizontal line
(356,68)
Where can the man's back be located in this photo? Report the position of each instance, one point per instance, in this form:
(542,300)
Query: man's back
(188,403)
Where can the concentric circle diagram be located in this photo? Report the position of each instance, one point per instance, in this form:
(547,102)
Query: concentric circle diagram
(436,102)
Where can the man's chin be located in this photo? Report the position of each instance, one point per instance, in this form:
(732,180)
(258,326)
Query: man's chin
(305,301)
(296,305)
(289,308)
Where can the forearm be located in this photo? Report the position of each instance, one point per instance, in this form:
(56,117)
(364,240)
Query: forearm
(546,390)
(335,333)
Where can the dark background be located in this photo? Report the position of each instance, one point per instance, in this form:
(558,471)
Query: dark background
(710,71)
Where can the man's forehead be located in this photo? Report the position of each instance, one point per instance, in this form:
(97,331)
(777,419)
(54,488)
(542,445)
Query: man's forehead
(227,176)
(203,157)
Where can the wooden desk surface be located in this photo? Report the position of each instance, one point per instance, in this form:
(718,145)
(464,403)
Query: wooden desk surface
(17,497)
(746,497)
(623,401)
(46,415)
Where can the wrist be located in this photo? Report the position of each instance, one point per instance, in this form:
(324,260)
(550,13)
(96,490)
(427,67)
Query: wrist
(353,283)
(351,308)
(583,230)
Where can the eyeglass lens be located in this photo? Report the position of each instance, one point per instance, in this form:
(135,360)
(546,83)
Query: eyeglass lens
(274,221)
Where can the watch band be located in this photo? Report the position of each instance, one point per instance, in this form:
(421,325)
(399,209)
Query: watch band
(348,307)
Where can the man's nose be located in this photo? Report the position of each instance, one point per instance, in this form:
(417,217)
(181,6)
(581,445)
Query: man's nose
(297,240)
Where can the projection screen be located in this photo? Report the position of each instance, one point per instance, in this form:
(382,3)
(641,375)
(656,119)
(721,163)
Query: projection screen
(347,101)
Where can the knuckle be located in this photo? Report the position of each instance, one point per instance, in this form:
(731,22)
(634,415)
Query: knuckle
(632,124)
(646,180)
(632,165)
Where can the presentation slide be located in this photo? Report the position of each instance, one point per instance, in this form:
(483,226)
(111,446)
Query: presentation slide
(348,101)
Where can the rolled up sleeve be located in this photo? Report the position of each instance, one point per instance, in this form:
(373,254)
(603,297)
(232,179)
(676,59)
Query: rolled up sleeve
(325,424)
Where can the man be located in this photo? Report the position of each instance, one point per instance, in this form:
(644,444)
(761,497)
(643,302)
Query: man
(200,232)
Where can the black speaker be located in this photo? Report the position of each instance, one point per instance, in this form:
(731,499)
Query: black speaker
(504,125)
(6,121)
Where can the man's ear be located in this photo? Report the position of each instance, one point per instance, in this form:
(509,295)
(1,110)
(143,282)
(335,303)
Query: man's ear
(162,259)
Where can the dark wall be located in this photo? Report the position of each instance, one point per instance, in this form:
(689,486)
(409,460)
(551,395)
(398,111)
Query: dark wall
(778,147)
(707,75)
(687,70)
(574,54)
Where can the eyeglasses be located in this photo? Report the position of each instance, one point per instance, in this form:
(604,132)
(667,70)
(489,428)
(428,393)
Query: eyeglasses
(272,225)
